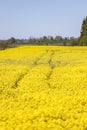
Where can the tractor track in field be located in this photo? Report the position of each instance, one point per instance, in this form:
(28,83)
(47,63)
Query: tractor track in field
(52,52)
(51,66)
(18,80)
(35,64)
(50,60)
(38,58)
(48,78)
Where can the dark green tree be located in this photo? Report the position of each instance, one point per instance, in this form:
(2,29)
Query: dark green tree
(59,38)
(84,27)
(74,41)
(83,36)
(11,40)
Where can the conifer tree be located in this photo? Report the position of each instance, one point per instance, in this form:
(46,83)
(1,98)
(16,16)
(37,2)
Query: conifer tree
(83,36)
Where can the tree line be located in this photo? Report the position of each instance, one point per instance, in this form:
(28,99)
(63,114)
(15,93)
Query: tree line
(49,40)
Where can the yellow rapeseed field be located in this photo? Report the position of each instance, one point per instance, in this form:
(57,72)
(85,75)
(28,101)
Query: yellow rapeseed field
(43,88)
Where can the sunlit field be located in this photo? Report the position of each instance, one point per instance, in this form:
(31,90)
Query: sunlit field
(43,88)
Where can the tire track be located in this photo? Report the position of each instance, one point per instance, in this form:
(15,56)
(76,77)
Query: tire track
(38,58)
(35,64)
(50,60)
(52,52)
(18,80)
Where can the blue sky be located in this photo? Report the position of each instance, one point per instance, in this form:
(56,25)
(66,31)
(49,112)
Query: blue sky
(36,18)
